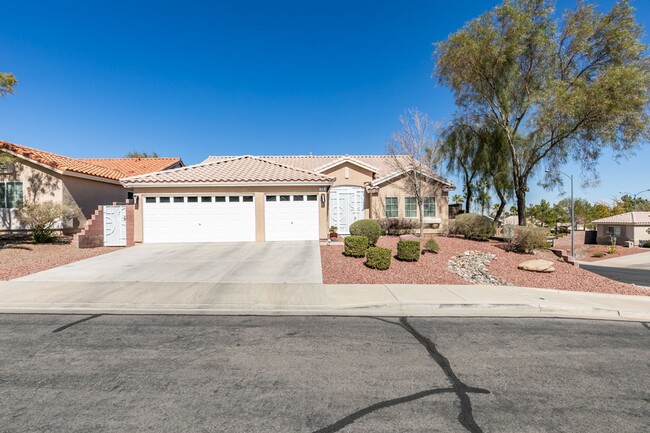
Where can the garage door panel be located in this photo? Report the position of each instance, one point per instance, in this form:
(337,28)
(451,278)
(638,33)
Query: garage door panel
(291,220)
(199,222)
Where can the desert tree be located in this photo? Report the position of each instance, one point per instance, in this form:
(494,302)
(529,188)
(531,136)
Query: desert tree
(415,153)
(559,88)
(136,154)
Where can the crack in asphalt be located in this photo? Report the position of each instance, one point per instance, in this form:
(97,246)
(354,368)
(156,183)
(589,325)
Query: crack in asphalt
(85,319)
(645,325)
(465,417)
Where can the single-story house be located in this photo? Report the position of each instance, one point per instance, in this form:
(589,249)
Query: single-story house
(276,198)
(629,226)
(38,176)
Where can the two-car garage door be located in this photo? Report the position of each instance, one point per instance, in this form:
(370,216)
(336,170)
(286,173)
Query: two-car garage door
(196,218)
(228,218)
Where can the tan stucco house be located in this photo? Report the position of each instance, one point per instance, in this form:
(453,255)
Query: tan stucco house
(276,198)
(38,176)
(629,226)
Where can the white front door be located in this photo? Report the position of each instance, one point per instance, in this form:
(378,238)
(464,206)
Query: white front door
(346,207)
(291,217)
(114,226)
(199,218)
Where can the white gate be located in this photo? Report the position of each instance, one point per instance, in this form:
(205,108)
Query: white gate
(346,207)
(115,226)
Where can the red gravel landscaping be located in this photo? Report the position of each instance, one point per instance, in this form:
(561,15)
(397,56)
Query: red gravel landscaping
(21,258)
(432,269)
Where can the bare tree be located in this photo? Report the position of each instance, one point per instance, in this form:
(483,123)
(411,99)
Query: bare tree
(414,151)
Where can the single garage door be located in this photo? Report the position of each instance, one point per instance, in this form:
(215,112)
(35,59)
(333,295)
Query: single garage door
(199,218)
(291,217)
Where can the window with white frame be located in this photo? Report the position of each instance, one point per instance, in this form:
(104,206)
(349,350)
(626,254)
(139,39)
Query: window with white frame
(410,207)
(429,207)
(11,194)
(391,207)
(614,230)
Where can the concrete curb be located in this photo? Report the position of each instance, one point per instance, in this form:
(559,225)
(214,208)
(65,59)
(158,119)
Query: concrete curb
(363,310)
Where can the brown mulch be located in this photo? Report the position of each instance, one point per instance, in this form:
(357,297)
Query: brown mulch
(432,269)
(20,258)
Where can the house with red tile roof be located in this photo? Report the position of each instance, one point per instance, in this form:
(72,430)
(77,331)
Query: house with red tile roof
(280,198)
(36,175)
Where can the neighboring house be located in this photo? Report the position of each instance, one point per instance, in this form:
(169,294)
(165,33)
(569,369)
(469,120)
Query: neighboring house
(38,176)
(629,226)
(277,198)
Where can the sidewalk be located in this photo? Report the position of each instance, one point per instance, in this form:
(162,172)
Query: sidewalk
(314,299)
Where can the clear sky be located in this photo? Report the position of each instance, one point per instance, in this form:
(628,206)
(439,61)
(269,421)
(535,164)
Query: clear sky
(192,79)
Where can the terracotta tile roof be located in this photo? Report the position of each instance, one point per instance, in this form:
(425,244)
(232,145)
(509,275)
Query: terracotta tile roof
(109,168)
(640,218)
(241,169)
(383,164)
(134,166)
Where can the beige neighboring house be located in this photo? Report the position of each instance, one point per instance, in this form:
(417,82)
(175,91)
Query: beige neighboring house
(629,226)
(38,176)
(278,198)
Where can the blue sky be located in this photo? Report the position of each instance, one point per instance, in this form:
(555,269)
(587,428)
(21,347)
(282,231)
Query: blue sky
(192,79)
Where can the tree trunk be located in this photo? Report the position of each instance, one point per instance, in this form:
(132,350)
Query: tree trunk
(421,208)
(502,205)
(468,198)
(521,203)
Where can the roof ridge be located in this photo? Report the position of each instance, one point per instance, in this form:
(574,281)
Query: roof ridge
(289,167)
(186,167)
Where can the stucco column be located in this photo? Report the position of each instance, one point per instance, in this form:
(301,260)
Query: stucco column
(260,227)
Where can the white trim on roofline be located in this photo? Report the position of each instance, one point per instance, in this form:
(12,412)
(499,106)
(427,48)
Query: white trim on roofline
(207,184)
(343,160)
(385,179)
(62,172)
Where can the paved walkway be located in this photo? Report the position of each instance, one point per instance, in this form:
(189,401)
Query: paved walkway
(137,297)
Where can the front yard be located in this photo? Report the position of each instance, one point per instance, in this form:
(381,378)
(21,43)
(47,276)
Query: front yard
(22,257)
(432,269)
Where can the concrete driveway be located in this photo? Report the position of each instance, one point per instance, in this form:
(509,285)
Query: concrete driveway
(633,269)
(267,262)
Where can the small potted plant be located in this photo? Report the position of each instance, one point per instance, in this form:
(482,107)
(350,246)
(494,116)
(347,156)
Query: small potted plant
(334,232)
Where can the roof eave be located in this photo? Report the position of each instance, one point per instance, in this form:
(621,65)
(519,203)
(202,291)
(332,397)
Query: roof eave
(213,184)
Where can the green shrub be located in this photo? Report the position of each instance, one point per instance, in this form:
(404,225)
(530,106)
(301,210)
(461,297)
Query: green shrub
(527,239)
(408,251)
(43,218)
(646,244)
(432,246)
(611,250)
(356,246)
(378,258)
(368,228)
(474,227)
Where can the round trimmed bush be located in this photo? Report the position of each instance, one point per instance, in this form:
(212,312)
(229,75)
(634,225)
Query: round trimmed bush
(646,244)
(356,246)
(368,228)
(475,227)
(378,258)
(432,246)
(408,251)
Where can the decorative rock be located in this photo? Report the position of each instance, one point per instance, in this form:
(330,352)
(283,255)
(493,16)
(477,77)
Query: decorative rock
(408,238)
(472,267)
(537,265)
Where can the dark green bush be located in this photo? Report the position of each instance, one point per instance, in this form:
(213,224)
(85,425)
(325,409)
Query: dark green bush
(527,239)
(408,251)
(646,244)
(432,246)
(378,258)
(475,227)
(356,246)
(368,228)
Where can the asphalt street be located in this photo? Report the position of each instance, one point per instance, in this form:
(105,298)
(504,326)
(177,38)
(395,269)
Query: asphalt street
(102,373)
(638,276)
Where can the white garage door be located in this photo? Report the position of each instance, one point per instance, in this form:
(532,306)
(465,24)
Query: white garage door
(291,217)
(199,218)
